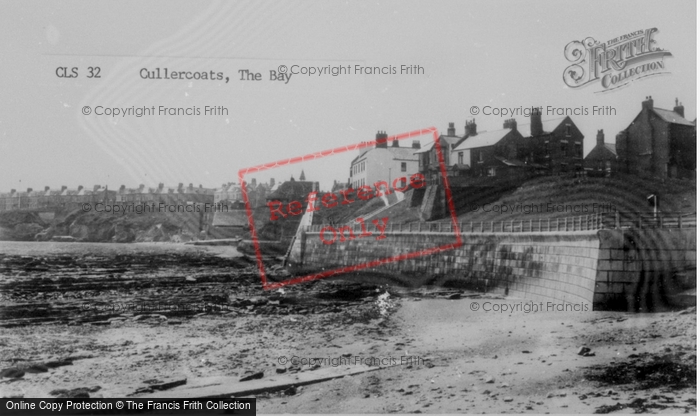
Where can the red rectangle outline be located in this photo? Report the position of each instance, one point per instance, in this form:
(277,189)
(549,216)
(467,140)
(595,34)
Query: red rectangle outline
(374,263)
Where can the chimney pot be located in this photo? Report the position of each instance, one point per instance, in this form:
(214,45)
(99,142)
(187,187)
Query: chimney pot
(600,138)
(536,122)
(679,109)
(381,140)
(470,128)
(415,144)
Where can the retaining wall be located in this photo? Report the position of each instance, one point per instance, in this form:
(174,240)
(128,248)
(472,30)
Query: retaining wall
(602,268)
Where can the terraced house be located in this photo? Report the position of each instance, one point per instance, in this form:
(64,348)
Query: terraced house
(383,163)
(660,143)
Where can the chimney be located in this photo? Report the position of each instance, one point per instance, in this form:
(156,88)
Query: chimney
(600,138)
(648,103)
(80,188)
(161,186)
(141,187)
(179,186)
(395,143)
(95,188)
(451,130)
(253,183)
(272,182)
(381,140)
(415,144)
(536,122)
(470,128)
(510,124)
(63,188)
(47,188)
(29,190)
(122,189)
(679,109)
(13,191)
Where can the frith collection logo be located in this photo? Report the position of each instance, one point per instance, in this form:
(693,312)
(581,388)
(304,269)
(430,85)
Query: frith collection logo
(615,63)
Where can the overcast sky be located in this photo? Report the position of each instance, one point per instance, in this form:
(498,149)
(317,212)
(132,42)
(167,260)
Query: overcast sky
(476,53)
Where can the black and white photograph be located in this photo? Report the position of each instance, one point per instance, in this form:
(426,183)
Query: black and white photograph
(348,207)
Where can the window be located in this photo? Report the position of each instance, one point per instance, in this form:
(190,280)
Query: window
(578,150)
(568,130)
(481,156)
(460,158)
(564,147)
(492,171)
(403,166)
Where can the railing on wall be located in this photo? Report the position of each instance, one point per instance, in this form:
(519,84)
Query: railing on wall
(610,220)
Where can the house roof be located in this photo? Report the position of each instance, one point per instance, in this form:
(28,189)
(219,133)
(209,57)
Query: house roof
(610,147)
(548,126)
(402,153)
(488,138)
(450,140)
(233,218)
(601,152)
(672,117)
